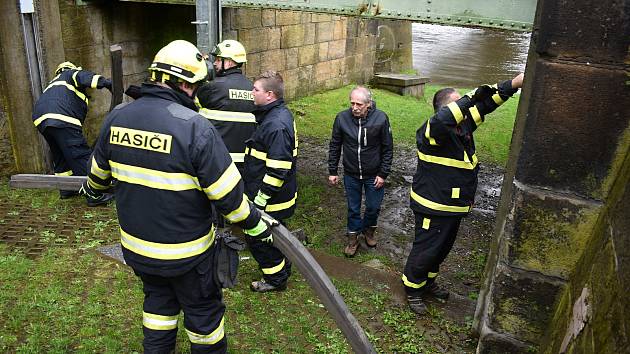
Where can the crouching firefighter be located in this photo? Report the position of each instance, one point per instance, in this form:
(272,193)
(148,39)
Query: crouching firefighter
(59,114)
(173,170)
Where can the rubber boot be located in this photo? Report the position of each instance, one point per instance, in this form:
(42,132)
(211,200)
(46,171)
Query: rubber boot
(370,237)
(353,244)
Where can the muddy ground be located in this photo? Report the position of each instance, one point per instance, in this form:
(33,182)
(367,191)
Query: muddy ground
(461,272)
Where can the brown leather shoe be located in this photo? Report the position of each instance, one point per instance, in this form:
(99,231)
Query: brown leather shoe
(370,237)
(353,244)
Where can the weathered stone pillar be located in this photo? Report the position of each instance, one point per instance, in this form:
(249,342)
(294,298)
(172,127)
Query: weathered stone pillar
(568,148)
(16,97)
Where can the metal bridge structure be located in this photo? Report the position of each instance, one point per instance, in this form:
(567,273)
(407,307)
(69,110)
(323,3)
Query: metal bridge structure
(515,15)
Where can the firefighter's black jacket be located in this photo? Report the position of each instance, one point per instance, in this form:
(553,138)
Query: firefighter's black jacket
(171,164)
(446,177)
(64,102)
(271,159)
(227,101)
(367,144)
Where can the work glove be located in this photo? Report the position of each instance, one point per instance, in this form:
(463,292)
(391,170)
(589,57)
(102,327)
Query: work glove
(89,191)
(481,93)
(261,200)
(262,230)
(107,83)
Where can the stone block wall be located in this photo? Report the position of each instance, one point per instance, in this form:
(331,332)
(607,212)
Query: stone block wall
(141,29)
(312,51)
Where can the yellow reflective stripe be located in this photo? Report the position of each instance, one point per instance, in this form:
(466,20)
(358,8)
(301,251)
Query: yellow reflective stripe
(437,206)
(281,206)
(255,153)
(66,173)
(237,156)
(447,161)
(99,172)
(412,285)
(212,338)
(427,133)
(474,112)
(426,222)
(256,230)
(57,116)
(241,213)
(96,185)
(159,322)
(171,181)
(81,95)
(197,103)
(228,116)
(475,160)
(273,181)
(455,193)
(456,111)
(432,275)
(273,270)
(497,99)
(167,251)
(74,78)
(225,184)
(271,163)
(94,82)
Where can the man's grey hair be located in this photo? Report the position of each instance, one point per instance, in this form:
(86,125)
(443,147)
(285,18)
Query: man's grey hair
(367,94)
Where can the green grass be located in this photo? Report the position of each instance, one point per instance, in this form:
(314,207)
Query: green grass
(316,114)
(71,299)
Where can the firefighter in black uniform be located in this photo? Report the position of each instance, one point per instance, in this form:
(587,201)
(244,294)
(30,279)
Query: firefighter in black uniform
(227,101)
(270,174)
(445,182)
(172,170)
(59,114)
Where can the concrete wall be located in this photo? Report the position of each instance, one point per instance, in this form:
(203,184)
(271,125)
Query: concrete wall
(562,226)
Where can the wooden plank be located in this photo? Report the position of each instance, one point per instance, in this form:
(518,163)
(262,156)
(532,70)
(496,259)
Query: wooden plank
(71,183)
(115,53)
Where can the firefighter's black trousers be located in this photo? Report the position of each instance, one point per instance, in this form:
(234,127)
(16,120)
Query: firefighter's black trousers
(434,239)
(69,149)
(194,292)
(275,267)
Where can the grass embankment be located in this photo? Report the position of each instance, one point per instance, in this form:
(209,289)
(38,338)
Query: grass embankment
(71,299)
(315,116)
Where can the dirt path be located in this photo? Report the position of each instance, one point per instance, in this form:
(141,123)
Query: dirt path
(462,269)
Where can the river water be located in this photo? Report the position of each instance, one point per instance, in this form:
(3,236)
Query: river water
(467,57)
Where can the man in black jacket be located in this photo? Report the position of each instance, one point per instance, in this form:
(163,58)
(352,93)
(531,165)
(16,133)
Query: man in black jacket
(173,172)
(445,182)
(366,137)
(227,101)
(270,174)
(59,114)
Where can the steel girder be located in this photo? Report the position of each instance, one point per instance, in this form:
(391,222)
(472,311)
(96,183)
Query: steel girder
(516,15)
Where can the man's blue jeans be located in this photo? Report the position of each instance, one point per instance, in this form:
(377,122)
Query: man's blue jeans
(373,199)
